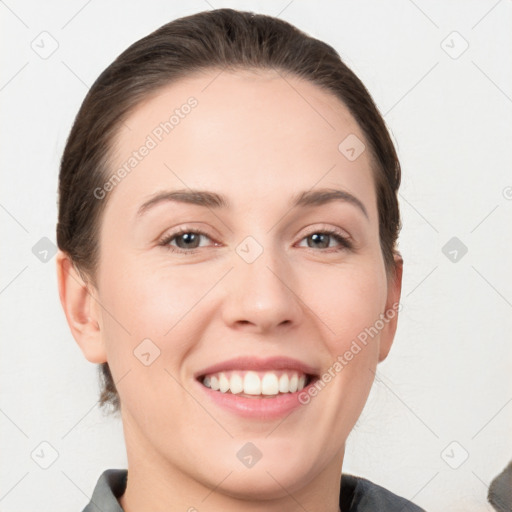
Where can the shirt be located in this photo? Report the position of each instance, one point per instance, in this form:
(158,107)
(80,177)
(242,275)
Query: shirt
(357,495)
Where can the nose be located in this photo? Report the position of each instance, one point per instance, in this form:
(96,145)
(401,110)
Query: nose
(262,296)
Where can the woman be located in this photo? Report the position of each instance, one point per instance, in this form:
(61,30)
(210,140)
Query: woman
(227,231)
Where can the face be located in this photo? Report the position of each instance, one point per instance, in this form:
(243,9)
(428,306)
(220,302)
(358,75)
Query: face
(257,278)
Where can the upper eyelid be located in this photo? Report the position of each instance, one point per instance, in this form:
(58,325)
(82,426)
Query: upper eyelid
(187,229)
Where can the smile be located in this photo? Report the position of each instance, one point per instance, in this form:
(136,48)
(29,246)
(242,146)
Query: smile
(256,384)
(255,388)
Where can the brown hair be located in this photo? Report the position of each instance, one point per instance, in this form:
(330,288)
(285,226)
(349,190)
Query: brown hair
(221,38)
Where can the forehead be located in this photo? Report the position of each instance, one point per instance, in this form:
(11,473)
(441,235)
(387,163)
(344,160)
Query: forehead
(244,134)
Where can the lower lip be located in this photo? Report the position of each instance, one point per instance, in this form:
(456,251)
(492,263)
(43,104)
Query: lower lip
(260,408)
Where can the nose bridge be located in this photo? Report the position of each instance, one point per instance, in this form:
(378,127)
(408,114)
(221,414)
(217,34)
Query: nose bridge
(261,287)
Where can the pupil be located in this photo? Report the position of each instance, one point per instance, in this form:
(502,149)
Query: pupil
(189,239)
(317,238)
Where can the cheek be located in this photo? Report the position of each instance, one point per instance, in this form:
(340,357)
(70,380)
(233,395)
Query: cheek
(346,301)
(149,296)
(144,336)
(150,302)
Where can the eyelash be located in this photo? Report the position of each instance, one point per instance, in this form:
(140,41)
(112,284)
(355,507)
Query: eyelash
(344,241)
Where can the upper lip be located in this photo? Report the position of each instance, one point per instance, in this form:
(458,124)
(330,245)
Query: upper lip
(258,364)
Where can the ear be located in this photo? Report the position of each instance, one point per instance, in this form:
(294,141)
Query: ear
(392,307)
(81,309)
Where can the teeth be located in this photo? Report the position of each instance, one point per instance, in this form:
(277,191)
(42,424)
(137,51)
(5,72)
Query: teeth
(223,383)
(236,384)
(284,383)
(270,384)
(294,382)
(252,384)
(214,383)
(256,383)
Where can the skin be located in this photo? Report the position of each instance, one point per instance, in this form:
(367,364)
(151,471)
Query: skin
(259,140)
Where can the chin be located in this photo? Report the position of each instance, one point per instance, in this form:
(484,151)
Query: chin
(281,468)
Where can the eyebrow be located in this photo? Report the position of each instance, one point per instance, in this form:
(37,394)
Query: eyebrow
(216,201)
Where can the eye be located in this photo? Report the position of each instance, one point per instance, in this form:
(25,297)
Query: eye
(321,239)
(186,240)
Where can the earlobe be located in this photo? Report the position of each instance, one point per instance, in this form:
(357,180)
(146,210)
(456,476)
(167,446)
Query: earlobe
(392,307)
(81,309)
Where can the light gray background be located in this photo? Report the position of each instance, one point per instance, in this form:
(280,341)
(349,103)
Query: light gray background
(448,375)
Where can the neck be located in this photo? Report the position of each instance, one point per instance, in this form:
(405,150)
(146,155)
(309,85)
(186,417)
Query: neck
(156,484)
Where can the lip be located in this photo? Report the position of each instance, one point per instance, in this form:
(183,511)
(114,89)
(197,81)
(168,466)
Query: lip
(261,365)
(258,408)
